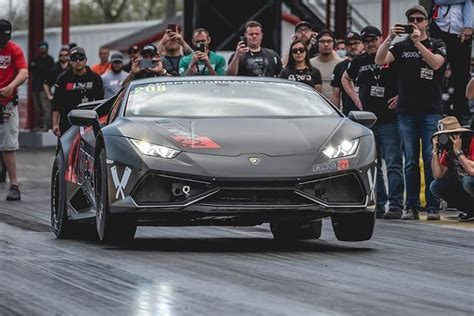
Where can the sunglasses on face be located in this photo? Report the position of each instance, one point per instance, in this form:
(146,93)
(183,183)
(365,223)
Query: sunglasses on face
(63,55)
(325,41)
(298,50)
(417,19)
(78,58)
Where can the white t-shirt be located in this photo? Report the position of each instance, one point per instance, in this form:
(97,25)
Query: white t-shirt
(112,82)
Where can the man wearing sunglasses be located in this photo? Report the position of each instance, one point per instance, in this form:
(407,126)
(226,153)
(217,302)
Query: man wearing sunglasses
(13,72)
(78,84)
(420,63)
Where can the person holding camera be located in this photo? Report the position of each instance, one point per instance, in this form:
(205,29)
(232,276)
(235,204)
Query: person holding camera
(250,58)
(420,63)
(78,84)
(172,47)
(453,166)
(149,65)
(13,72)
(202,62)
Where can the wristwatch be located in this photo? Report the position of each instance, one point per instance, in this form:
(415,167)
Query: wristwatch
(458,153)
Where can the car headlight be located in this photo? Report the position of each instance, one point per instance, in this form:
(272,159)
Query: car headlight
(155,150)
(346,148)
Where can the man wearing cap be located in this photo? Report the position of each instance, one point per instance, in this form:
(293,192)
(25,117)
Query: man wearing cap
(326,60)
(78,84)
(133,52)
(113,78)
(420,63)
(103,66)
(150,54)
(40,68)
(377,94)
(203,61)
(251,59)
(453,166)
(13,72)
(353,47)
(452,23)
(304,31)
(59,67)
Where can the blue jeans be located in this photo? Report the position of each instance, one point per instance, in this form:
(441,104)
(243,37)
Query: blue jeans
(413,128)
(387,140)
(459,194)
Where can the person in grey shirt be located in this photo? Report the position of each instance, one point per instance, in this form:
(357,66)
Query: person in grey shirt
(113,78)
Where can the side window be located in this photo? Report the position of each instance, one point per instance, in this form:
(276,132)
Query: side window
(114,110)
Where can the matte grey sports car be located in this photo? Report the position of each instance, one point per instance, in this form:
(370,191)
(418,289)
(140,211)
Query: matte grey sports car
(232,151)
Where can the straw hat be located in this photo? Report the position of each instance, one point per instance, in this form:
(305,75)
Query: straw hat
(450,124)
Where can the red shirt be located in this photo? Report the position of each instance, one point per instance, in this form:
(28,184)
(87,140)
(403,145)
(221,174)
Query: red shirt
(12,60)
(443,160)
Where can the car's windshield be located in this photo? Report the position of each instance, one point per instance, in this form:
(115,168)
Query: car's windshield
(225,99)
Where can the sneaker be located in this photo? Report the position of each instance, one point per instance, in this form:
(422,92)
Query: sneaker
(14,194)
(379,211)
(410,213)
(466,217)
(393,213)
(433,215)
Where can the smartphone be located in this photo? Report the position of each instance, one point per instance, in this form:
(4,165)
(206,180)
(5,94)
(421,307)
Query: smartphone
(147,63)
(408,28)
(172,27)
(244,39)
(201,47)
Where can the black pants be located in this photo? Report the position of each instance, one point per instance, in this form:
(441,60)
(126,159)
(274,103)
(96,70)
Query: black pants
(459,57)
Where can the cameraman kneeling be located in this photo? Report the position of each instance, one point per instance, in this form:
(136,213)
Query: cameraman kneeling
(453,166)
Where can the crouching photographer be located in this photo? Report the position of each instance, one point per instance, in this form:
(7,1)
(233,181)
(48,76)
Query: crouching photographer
(453,166)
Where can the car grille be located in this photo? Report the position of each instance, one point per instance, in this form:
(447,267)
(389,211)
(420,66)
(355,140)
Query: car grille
(239,196)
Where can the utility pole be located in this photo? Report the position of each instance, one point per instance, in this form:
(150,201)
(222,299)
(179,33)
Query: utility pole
(170,9)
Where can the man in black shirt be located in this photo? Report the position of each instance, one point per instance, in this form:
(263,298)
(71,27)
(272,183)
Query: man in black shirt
(172,46)
(252,59)
(78,84)
(133,53)
(354,47)
(377,94)
(420,63)
(40,67)
(59,67)
(153,69)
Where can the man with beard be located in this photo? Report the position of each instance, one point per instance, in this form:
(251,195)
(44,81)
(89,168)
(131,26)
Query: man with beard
(354,47)
(251,59)
(327,60)
(79,84)
(172,46)
(377,94)
(59,67)
(113,78)
(13,72)
(40,68)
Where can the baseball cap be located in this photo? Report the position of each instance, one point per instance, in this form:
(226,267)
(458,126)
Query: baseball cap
(133,49)
(150,48)
(325,32)
(5,28)
(417,8)
(352,36)
(370,31)
(43,44)
(77,51)
(303,23)
(116,57)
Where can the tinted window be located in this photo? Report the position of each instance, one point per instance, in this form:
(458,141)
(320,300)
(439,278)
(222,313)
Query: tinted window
(224,99)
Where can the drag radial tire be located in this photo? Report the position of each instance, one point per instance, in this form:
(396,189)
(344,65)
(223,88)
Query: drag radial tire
(61,226)
(112,229)
(353,226)
(285,231)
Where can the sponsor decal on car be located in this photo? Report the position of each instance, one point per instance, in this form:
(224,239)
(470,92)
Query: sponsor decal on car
(338,165)
(186,137)
(120,184)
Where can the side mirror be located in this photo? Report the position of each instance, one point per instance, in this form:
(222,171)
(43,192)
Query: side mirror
(80,117)
(367,119)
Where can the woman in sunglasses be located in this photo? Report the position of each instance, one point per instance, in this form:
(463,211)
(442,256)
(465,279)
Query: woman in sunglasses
(299,68)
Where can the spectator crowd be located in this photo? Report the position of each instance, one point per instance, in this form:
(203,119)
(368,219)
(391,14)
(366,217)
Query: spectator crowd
(417,87)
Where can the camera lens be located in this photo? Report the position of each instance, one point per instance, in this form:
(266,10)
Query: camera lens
(443,139)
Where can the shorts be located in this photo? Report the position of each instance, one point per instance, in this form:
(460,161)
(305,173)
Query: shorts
(9,129)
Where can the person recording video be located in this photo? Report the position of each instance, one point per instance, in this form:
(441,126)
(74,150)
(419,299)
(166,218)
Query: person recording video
(147,66)
(453,166)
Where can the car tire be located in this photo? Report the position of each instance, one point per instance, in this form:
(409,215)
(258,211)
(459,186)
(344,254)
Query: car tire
(284,231)
(111,229)
(61,225)
(353,226)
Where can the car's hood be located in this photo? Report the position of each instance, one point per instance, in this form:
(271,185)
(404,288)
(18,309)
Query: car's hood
(234,136)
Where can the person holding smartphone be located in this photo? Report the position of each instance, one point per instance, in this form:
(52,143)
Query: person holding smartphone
(420,69)
(148,65)
(173,47)
(202,61)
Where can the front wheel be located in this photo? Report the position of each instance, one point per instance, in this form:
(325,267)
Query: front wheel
(111,228)
(353,226)
(285,231)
